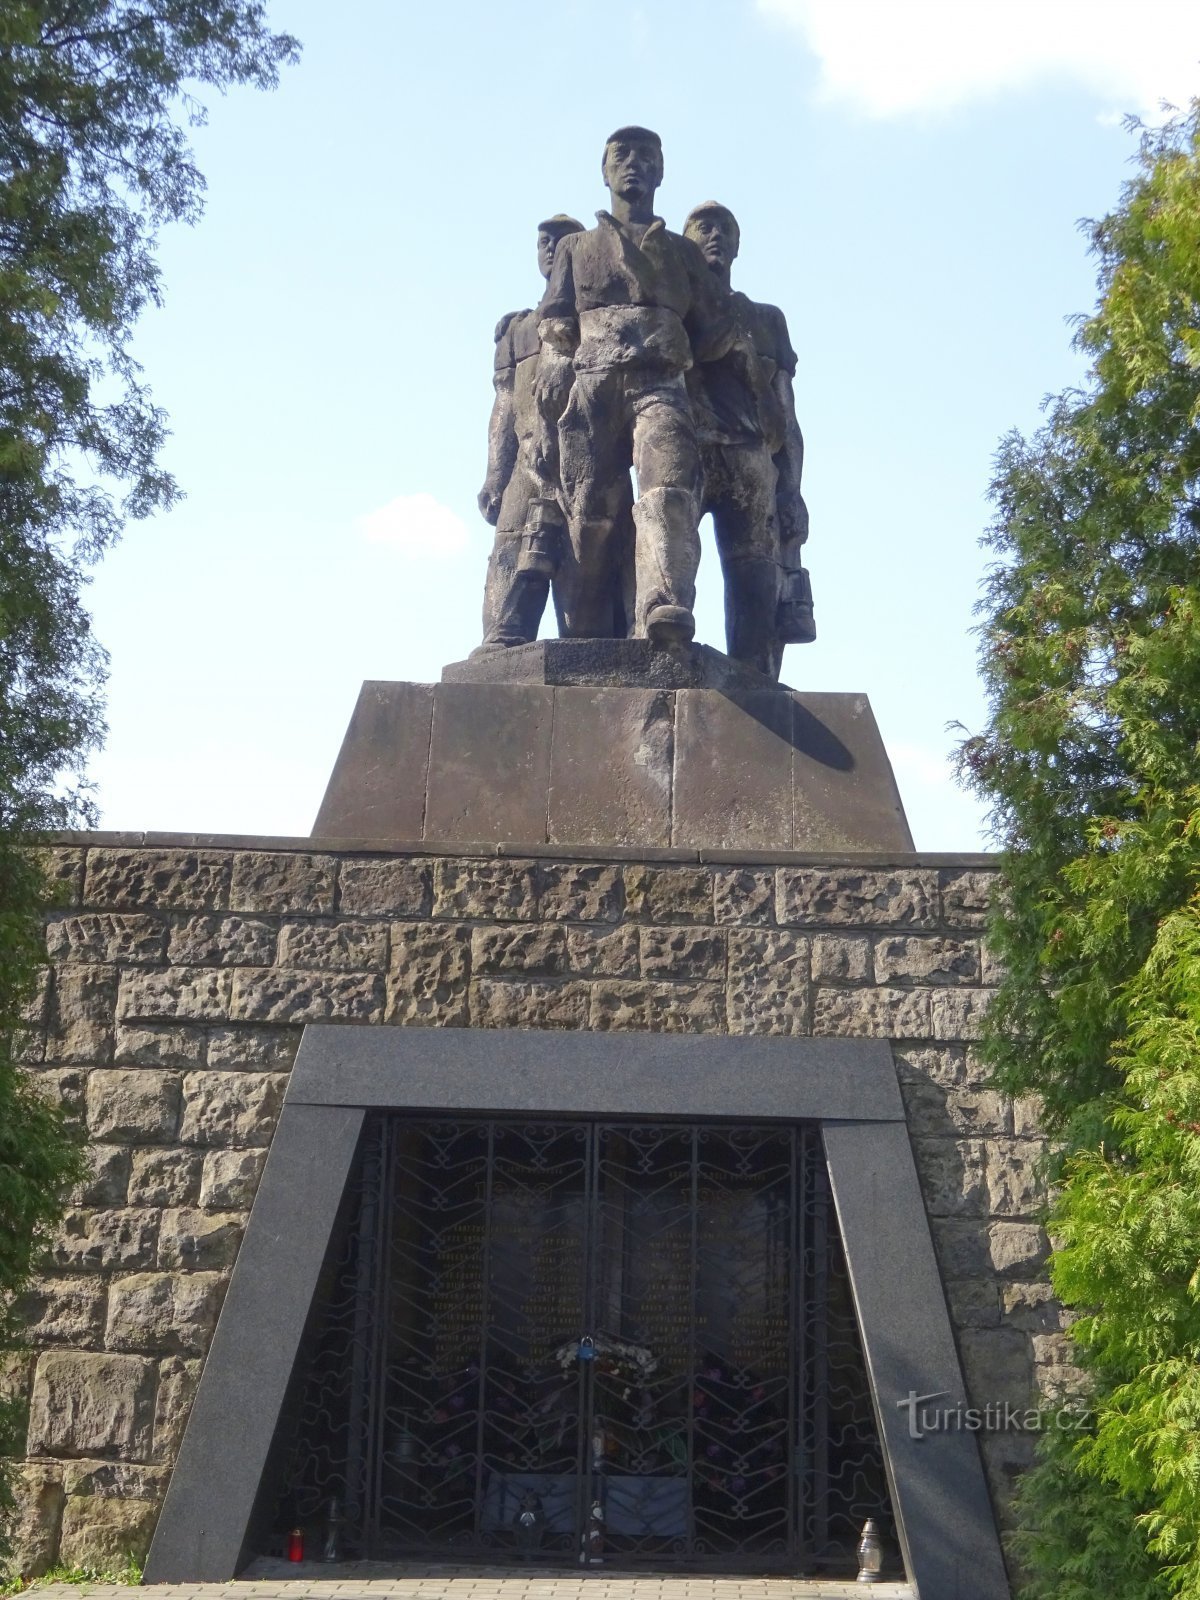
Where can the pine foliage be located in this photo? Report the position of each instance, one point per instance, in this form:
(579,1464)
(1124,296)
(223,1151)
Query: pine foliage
(1091,762)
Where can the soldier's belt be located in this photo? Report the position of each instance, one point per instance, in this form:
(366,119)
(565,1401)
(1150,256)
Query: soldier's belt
(617,336)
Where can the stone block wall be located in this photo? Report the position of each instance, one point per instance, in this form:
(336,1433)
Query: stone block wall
(181,974)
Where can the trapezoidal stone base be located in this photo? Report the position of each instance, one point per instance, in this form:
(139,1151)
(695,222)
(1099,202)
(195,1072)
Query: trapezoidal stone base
(750,764)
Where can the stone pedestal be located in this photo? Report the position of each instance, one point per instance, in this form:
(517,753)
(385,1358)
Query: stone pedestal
(605,742)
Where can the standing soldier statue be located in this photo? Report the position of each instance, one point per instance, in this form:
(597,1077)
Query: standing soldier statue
(519,493)
(633,306)
(753,456)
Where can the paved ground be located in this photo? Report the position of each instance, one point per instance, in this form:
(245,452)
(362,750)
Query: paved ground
(275,1580)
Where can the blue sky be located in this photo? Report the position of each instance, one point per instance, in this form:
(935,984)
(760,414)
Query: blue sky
(908,177)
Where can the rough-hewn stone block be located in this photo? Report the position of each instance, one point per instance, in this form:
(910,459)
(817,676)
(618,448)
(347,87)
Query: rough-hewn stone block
(165,1177)
(943,1064)
(982,1249)
(486,891)
(36,1518)
(581,893)
(966,896)
(62,1311)
(686,1007)
(344,946)
(901,959)
(872,1013)
(997,1366)
(540,951)
(531,1004)
(603,954)
(159,1044)
(686,952)
(195,994)
(114,1480)
(230,1108)
(101,1533)
(278,994)
(65,1087)
(768,981)
(1007,1455)
(841,958)
(1032,1307)
(974,1304)
(199,1241)
(177,1382)
(93,1405)
(385,887)
(1015,1186)
(617,1005)
(164,880)
(140,1106)
(669,894)
(812,896)
(282,883)
(157,1312)
(940,1112)
(958,1013)
(107,1181)
(1028,1114)
(428,983)
(105,1241)
(658,1008)
(80,1016)
(99,937)
(251,1045)
(744,894)
(644,1007)
(992,970)
(952,1176)
(228,941)
(230,1179)
(35,1009)
(62,866)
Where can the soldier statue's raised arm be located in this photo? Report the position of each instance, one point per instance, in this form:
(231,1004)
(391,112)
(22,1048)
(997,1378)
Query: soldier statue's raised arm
(519,478)
(633,305)
(753,456)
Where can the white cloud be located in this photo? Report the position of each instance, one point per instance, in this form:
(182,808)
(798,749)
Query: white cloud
(417,525)
(891,57)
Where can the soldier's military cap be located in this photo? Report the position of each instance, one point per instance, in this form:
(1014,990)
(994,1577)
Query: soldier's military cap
(709,208)
(560,223)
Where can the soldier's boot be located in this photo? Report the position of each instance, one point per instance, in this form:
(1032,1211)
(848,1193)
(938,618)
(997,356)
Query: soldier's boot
(666,556)
(796,624)
(513,600)
(751,606)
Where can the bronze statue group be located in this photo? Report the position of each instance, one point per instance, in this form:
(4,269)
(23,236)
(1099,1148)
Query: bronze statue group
(641,354)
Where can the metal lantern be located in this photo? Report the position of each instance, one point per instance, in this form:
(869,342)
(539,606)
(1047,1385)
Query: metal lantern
(870,1553)
(529,1524)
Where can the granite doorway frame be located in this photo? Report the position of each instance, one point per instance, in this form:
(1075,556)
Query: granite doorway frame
(940,1498)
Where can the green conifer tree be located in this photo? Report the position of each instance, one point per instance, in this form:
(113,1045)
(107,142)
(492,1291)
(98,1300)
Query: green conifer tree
(94,158)
(1091,763)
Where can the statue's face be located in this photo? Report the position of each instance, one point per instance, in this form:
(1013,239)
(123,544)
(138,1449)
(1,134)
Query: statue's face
(633,168)
(716,236)
(547,243)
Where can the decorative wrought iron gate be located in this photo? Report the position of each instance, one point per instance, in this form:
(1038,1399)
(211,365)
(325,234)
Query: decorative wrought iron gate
(607,1343)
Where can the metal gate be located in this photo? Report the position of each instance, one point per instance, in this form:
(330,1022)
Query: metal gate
(596,1343)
